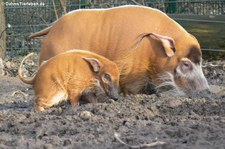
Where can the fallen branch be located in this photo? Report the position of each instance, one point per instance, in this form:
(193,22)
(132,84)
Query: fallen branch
(211,65)
(19,92)
(116,135)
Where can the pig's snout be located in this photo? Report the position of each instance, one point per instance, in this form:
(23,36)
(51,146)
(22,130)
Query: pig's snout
(201,84)
(190,77)
(114,94)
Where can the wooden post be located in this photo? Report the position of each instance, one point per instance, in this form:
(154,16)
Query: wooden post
(2,30)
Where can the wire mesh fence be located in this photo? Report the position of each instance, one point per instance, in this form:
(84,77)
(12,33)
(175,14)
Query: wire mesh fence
(25,17)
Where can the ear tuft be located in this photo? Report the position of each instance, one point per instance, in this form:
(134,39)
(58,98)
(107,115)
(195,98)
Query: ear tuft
(94,63)
(167,42)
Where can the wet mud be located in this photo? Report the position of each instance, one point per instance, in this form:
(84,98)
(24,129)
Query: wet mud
(181,122)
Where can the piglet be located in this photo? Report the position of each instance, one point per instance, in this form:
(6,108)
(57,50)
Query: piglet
(69,75)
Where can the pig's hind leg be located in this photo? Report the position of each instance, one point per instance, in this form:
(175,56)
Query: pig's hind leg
(52,99)
(51,94)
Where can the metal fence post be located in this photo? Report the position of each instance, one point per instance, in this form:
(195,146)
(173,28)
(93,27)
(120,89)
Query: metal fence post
(172,6)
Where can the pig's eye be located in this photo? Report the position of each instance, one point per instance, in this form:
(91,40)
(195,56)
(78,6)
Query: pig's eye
(186,66)
(107,77)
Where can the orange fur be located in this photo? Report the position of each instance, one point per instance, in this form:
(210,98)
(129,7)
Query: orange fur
(115,33)
(69,74)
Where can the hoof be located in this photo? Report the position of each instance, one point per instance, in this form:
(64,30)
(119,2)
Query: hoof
(39,109)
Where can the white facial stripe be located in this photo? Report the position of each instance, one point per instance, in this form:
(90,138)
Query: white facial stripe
(196,72)
(185,59)
(195,77)
(97,83)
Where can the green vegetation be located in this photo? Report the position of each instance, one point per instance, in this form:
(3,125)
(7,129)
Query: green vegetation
(211,36)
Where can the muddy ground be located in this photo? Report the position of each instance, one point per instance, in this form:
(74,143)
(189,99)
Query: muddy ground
(181,122)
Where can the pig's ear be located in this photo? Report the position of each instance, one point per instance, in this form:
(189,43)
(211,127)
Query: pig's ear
(167,42)
(94,63)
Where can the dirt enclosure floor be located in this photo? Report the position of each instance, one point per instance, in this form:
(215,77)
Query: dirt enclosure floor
(196,122)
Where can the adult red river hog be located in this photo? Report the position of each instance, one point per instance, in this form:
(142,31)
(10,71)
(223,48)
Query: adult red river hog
(147,46)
